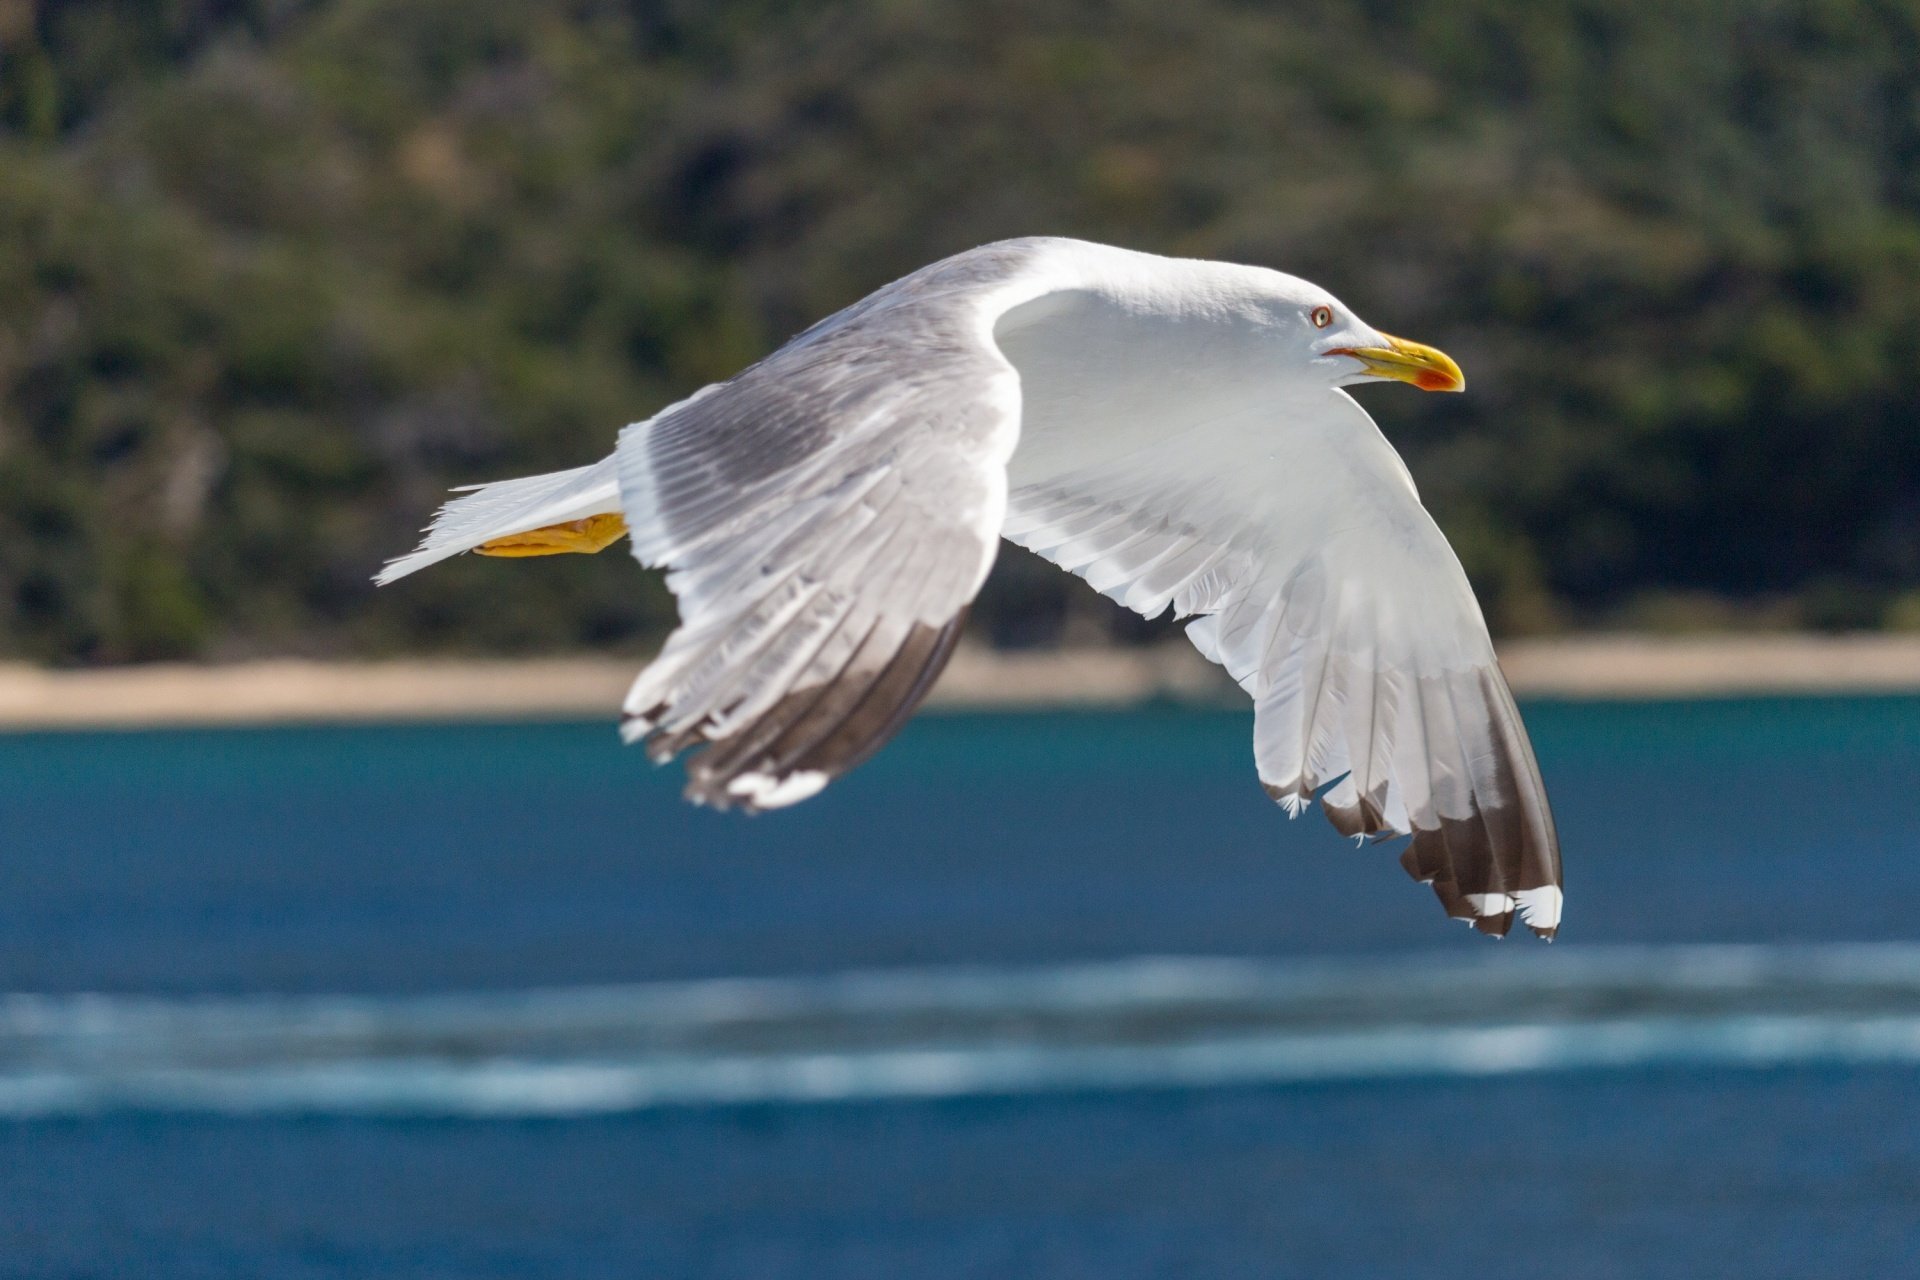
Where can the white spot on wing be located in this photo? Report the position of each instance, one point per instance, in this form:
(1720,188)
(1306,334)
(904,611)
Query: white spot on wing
(1540,907)
(771,793)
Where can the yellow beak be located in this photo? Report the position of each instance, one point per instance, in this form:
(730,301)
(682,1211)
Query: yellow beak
(1404,361)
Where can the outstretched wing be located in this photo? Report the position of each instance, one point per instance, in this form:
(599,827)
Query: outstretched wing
(1320,583)
(826,517)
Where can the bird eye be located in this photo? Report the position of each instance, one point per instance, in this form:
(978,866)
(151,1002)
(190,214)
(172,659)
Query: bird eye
(1321,317)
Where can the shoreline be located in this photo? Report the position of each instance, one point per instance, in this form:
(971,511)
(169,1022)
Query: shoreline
(293,691)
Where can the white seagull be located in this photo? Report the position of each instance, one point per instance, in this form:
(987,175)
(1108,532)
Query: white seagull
(1173,431)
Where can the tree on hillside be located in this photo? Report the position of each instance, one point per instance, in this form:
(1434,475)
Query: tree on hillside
(278,272)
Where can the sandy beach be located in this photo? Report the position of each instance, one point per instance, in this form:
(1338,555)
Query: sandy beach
(292,691)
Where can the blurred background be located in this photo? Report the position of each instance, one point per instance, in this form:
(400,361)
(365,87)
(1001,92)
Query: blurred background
(279,272)
(1040,991)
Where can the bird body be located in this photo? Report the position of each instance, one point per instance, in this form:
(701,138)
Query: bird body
(1175,432)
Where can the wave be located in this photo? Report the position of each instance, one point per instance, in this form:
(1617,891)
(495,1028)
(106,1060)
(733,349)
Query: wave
(1155,1023)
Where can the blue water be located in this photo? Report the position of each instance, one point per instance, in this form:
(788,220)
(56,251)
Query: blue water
(243,888)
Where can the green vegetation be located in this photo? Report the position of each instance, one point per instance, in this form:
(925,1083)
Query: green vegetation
(276,273)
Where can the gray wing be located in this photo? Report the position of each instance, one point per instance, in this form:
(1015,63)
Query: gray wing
(826,518)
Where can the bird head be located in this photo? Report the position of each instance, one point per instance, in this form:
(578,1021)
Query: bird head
(1354,351)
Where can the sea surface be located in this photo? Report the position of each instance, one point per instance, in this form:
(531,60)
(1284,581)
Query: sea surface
(1052,995)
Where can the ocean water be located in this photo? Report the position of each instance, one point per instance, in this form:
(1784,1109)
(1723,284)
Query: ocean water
(1048,995)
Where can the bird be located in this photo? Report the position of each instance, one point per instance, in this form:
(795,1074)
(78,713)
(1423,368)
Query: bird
(1177,432)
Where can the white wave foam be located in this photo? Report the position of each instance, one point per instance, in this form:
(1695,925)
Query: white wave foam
(1148,1023)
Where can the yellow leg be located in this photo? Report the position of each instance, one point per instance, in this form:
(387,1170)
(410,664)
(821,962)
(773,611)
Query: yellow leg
(595,533)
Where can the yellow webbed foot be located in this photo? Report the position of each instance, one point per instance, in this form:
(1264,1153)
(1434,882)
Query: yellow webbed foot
(582,537)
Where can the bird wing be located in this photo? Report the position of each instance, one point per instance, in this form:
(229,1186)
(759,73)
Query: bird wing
(825,517)
(1295,539)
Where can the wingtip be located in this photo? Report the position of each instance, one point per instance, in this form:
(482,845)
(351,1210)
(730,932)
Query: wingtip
(1494,926)
(1540,908)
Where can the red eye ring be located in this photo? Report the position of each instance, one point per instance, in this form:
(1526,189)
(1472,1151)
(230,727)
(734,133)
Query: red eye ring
(1321,317)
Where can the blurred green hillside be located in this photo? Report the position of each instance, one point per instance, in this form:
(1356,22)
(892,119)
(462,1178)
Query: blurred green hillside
(276,273)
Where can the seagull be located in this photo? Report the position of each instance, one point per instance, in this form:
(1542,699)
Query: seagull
(1176,432)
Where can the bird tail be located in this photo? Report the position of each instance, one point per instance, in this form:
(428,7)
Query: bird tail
(586,500)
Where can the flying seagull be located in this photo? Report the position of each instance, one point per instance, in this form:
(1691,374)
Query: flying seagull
(1173,431)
